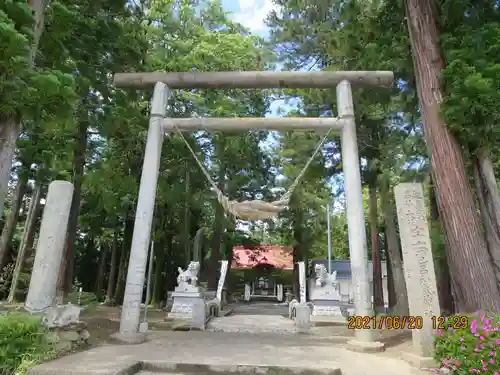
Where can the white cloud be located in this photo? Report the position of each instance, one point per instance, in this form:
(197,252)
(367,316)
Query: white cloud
(253,13)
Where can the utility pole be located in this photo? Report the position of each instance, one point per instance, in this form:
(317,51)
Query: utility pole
(329,226)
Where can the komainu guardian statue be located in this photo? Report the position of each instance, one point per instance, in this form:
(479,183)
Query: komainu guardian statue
(188,277)
(323,278)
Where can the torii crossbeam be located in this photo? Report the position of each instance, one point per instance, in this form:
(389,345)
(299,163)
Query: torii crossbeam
(255,80)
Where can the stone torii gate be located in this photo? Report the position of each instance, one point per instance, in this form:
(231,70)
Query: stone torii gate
(159,125)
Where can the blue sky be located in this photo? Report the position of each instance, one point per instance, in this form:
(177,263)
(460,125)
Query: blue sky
(250,13)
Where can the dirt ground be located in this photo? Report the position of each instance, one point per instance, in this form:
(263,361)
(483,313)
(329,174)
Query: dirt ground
(102,321)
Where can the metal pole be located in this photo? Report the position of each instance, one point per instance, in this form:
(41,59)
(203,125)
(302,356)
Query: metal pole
(148,285)
(329,224)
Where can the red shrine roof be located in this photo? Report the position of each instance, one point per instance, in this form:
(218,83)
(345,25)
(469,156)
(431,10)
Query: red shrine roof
(274,255)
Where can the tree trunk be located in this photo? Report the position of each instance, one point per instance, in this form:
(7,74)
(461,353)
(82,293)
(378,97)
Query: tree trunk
(9,131)
(393,251)
(112,270)
(26,241)
(65,280)
(391,291)
(490,187)
(213,263)
(30,239)
(125,252)
(100,272)
(10,225)
(299,246)
(187,230)
(10,127)
(440,261)
(122,274)
(485,203)
(159,280)
(378,289)
(171,256)
(468,254)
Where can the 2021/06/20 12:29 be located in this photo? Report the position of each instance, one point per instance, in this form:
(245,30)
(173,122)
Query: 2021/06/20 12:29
(405,322)
(385,322)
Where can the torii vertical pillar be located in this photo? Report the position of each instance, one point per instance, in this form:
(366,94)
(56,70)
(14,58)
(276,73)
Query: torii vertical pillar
(363,340)
(131,309)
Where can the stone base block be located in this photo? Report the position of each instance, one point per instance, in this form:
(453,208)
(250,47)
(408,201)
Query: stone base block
(143,327)
(302,318)
(129,338)
(419,362)
(71,337)
(365,346)
(61,315)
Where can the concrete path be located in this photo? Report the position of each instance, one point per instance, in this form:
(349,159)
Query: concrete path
(260,307)
(176,350)
(252,324)
(255,317)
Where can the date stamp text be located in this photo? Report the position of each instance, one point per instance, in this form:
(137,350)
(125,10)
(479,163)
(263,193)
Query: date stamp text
(405,322)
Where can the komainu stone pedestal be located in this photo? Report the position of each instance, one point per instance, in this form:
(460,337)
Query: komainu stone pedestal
(330,310)
(182,307)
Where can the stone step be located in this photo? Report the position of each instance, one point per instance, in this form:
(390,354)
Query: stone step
(252,324)
(151,368)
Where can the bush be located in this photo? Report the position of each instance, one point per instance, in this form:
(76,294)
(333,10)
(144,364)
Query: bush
(471,350)
(85,298)
(22,343)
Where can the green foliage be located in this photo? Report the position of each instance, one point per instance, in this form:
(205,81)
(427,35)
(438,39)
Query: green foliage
(437,240)
(22,343)
(471,349)
(15,36)
(43,95)
(85,299)
(471,43)
(5,278)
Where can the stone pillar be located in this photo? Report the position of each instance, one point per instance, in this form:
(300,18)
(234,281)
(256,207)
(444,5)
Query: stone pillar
(363,339)
(50,246)
(222,279)
(418,266)
(129,322)
(302,282)
(246,294)
(280,292)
